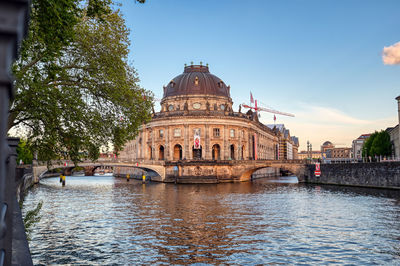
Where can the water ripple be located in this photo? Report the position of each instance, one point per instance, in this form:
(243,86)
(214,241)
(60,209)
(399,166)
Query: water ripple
(106,221)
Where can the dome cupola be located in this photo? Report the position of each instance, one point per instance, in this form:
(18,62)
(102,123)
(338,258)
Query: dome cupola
(196,80)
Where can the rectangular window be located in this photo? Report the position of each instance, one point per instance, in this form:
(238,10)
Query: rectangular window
(232,133)
(177,132)
(161,133)
(216,132)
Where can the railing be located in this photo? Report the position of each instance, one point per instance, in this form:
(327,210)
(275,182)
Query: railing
(13,27)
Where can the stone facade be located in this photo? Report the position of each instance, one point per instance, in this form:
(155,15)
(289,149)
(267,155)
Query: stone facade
(197,105)
(394,139)
(379,175)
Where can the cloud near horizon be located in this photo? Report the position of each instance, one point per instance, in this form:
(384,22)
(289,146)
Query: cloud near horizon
(318,124)
(391,54)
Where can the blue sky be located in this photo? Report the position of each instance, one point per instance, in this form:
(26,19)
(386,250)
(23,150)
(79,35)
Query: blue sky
(321,60)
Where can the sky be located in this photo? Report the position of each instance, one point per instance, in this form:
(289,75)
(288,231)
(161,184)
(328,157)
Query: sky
(334,64)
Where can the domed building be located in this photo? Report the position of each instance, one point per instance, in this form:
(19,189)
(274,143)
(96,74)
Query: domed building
(197,122)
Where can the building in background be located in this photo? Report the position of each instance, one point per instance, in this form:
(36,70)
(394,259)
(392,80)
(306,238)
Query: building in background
(357,145)
(333,154)
(326,148)
(314,155)
(394,133)
(394,139)
(288,145)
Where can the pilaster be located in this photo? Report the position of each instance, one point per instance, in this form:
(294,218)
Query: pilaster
(207,151)
(186,142)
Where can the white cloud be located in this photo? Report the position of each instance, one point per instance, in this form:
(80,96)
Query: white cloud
(391,54)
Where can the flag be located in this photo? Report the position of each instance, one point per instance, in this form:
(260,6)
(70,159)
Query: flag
(256,106)
(274,118)
(251,98)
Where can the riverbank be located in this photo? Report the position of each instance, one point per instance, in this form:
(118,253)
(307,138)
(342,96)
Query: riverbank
(372,175)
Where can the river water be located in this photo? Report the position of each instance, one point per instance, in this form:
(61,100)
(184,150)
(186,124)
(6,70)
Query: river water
(103,220)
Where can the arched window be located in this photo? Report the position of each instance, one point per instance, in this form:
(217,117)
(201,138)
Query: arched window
(150,153)
(216,152)
(242,153)
(232,148)
(197,153)
(161,153)
(177,152)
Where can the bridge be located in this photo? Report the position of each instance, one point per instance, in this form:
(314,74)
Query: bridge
(181,171)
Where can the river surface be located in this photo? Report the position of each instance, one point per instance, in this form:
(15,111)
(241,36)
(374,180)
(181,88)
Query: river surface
(103,220)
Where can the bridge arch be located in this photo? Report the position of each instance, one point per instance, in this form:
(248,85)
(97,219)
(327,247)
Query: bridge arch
(293,168)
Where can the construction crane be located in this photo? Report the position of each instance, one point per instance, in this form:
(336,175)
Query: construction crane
(266,110)
(256,108)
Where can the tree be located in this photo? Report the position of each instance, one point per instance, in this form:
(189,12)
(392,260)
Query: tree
(366,150)
(381,146)
(378,144)
(24,152)
(75,90)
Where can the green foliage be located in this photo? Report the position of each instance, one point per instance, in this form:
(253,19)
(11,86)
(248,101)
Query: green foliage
(75,90)
(378,144)
(24,152)
(368,144)
(31,218)
(381,144)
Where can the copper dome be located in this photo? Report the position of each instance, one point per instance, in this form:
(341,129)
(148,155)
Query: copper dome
(195,80)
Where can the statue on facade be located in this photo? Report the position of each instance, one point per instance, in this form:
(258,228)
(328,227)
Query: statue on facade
(207,106)
(186,106)
(240,108)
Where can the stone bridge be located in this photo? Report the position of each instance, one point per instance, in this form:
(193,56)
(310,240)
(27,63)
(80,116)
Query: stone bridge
(226,171)
(39,170)
(186,171)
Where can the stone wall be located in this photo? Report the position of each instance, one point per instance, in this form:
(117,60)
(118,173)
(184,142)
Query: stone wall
(377,175)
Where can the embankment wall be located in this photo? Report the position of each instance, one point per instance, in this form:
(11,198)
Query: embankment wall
(377,175)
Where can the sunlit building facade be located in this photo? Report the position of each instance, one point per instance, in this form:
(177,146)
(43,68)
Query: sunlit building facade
(197,122)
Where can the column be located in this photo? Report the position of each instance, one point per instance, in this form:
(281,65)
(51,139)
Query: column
(166,145)
(170,144)
(186,142)
(226,144)
(153,147)
(207,152)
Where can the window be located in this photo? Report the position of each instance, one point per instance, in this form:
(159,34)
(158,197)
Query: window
(161,133)
(196,81)
(177,132)
(232,133)
(216,132)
